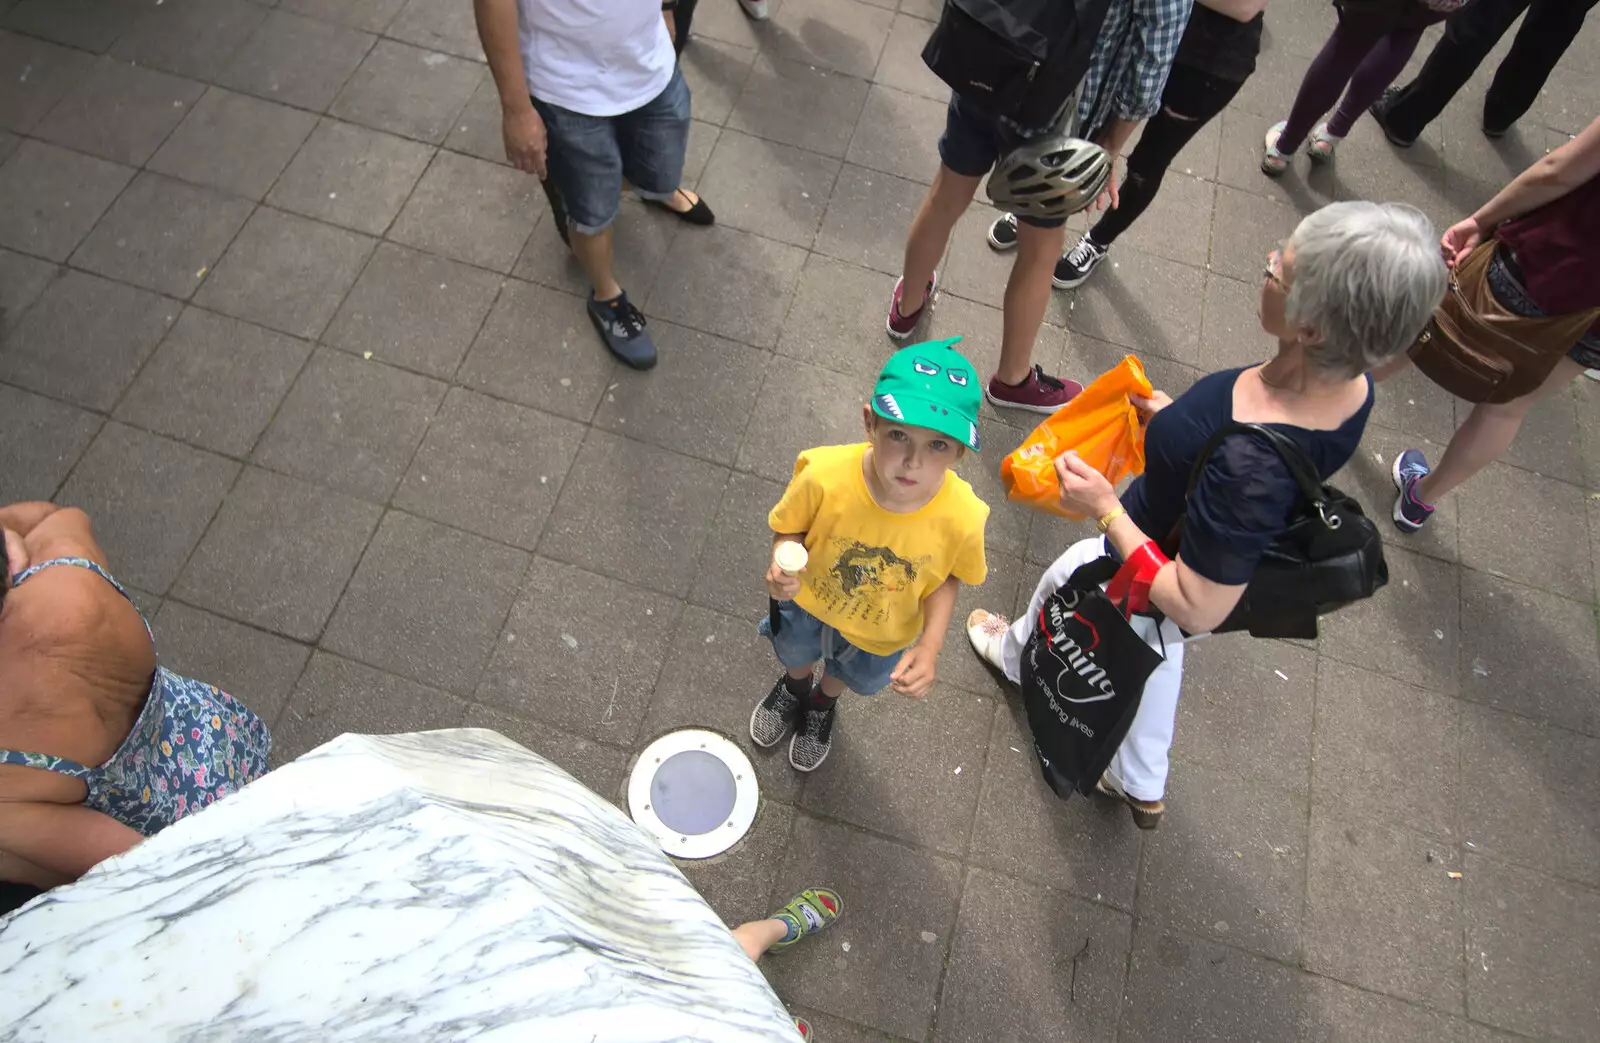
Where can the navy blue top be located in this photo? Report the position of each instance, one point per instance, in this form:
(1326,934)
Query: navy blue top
(1245,495)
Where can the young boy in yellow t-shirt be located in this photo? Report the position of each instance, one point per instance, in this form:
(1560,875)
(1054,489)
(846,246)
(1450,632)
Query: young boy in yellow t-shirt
(891,534)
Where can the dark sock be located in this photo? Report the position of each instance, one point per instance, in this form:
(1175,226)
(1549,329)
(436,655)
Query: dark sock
(799,687)
(820,701)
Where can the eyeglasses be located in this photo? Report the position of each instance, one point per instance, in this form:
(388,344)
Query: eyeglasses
(1274,270)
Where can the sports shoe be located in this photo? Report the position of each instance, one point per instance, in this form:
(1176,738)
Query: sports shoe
(1410,513)
(985,630)
(622,327)
(1592,374)
(756,9)
(813,738)
(902,326)
(1040,393)
(1321,144)
(1078,263)
(773,716)
(1379,111)
(1274,162)
(808,912)
(1146,813)
(1003,233)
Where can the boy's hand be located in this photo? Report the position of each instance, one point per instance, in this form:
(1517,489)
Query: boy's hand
(780,584)
(914,675)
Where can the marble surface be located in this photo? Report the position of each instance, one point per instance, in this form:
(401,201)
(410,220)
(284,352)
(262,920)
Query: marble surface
(439,886)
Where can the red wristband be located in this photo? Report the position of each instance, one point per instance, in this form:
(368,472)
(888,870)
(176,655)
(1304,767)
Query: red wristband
(1131,584)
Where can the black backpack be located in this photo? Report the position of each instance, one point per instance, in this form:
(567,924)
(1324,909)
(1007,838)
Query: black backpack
(1020,60)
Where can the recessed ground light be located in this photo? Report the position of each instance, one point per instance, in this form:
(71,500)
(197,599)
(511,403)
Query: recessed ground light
(695,792)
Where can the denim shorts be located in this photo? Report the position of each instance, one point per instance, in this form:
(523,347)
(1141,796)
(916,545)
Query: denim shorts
(802,639)
(973,141)
(590,155)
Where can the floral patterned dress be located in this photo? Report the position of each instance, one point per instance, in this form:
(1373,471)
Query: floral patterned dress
(191,745)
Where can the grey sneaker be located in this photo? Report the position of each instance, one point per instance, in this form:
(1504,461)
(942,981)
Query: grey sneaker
(773,716)
(622,327)
(813,739)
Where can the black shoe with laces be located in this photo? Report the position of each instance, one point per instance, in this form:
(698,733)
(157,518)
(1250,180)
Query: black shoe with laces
(813,738)
(622,327)
(1379,110)
(773,716)
(1003,233)
(1078,263)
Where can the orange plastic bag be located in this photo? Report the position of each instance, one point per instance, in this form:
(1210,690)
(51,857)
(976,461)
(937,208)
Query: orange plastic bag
(1100,423)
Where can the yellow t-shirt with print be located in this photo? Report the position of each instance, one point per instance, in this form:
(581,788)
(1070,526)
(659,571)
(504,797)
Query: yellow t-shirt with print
(869,569)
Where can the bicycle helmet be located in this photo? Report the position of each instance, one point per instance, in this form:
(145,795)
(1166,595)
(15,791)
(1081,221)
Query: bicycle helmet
(1054,177)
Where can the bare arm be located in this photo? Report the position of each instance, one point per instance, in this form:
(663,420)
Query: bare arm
(918,667)
(21,518)
(780,584)
(1195,603)
(937,609)
(523,129)
(1548,179)
(1238,10)
(68,839)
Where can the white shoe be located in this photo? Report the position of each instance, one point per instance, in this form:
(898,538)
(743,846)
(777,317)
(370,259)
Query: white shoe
(756,9)
(984,630)
(1592,374)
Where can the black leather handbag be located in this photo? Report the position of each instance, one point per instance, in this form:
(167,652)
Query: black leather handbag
(1329,556)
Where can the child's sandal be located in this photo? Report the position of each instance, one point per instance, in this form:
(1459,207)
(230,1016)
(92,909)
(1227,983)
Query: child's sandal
(810,911)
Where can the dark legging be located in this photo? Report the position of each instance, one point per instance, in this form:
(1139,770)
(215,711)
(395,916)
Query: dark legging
(1364,54)
(1191,100)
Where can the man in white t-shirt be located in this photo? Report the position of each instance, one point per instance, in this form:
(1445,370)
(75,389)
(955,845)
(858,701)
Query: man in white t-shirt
(590,93)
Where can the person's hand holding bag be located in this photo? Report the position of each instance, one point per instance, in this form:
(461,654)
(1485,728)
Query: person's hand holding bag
(1084,490)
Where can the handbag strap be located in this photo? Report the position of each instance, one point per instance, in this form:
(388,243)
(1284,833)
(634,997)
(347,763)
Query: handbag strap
(1300,468)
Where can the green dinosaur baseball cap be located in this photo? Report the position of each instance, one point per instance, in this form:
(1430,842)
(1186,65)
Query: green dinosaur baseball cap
(931,385)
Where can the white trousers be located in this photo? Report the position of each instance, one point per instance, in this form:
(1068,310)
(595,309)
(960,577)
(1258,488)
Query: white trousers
(1140,764)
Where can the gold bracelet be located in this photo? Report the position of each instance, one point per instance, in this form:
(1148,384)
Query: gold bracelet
(1110,516)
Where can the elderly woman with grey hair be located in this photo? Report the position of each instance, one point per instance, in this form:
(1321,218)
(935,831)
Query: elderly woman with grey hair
(1350,290)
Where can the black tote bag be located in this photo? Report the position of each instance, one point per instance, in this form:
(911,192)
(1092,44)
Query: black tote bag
(1083,673)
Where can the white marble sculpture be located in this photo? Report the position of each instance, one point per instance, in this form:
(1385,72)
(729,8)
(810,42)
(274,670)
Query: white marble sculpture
(439,886)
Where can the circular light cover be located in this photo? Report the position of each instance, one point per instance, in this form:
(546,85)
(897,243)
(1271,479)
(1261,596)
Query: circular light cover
(695,792)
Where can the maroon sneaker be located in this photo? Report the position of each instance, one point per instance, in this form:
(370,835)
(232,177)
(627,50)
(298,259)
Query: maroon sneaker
(1040,393)
(902,326)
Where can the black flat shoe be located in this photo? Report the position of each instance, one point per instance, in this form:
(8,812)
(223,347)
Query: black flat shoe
(699,214)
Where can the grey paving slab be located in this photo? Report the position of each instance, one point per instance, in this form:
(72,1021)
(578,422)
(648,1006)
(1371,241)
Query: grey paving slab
(1340,1013)
(351,176)
(1528,546)
(728,23)
(336,695)
(1410,403)
(581,652)
(278,554)
(727,282)
(1031,964)
(491,467)
(93,25)
(54,196)
(1386,752)
(52,71)
(836,321)
(537,347)
(214,382)
(737,549)
(438,25)
(824,124)
(1531,950)
(234,142)
(1180,987)
(596,765)
(697,402)
(414,309)
(697,153)
(896,133)
(1247,708)
(1529,794)
(1369,477)
(150,500)
(716,71)
(1549,441)
(938,745)
(1144,304)
(1228,862)
(120,112)
(774,190)
(351,424)
(190,37)
(840,1030)
(407,90)
(427,602)
(163,234)
(716,671)
(900,65)
(888,977)
(822,408)
(1246,229)
(1239,159)
(971,269)
(40,440)
(477,130)
(84,339)
(1080,846)
(1230,331)
(257,668)
(738,884)
(285,272)
(1528,652)
(8,144)
(22,280)
(1411,631)
(471,210)
(843,36)
(296,60)
(634,512)
(371,15)
(639,242)
(866,209)
(1177,225)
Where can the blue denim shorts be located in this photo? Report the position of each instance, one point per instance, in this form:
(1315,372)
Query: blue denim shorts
(590,155)
(973,141)
(802,639)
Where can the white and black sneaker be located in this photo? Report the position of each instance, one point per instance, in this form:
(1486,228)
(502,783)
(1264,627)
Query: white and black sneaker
(813,739)
(1003,233)
(773,716)
(1079,263)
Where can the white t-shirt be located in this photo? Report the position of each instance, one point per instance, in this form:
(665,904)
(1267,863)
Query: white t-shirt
(597,57)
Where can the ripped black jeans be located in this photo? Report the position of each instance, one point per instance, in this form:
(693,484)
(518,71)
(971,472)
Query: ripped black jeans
(1191,99)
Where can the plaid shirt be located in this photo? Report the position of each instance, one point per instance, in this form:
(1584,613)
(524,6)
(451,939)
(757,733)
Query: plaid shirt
(1131,59)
